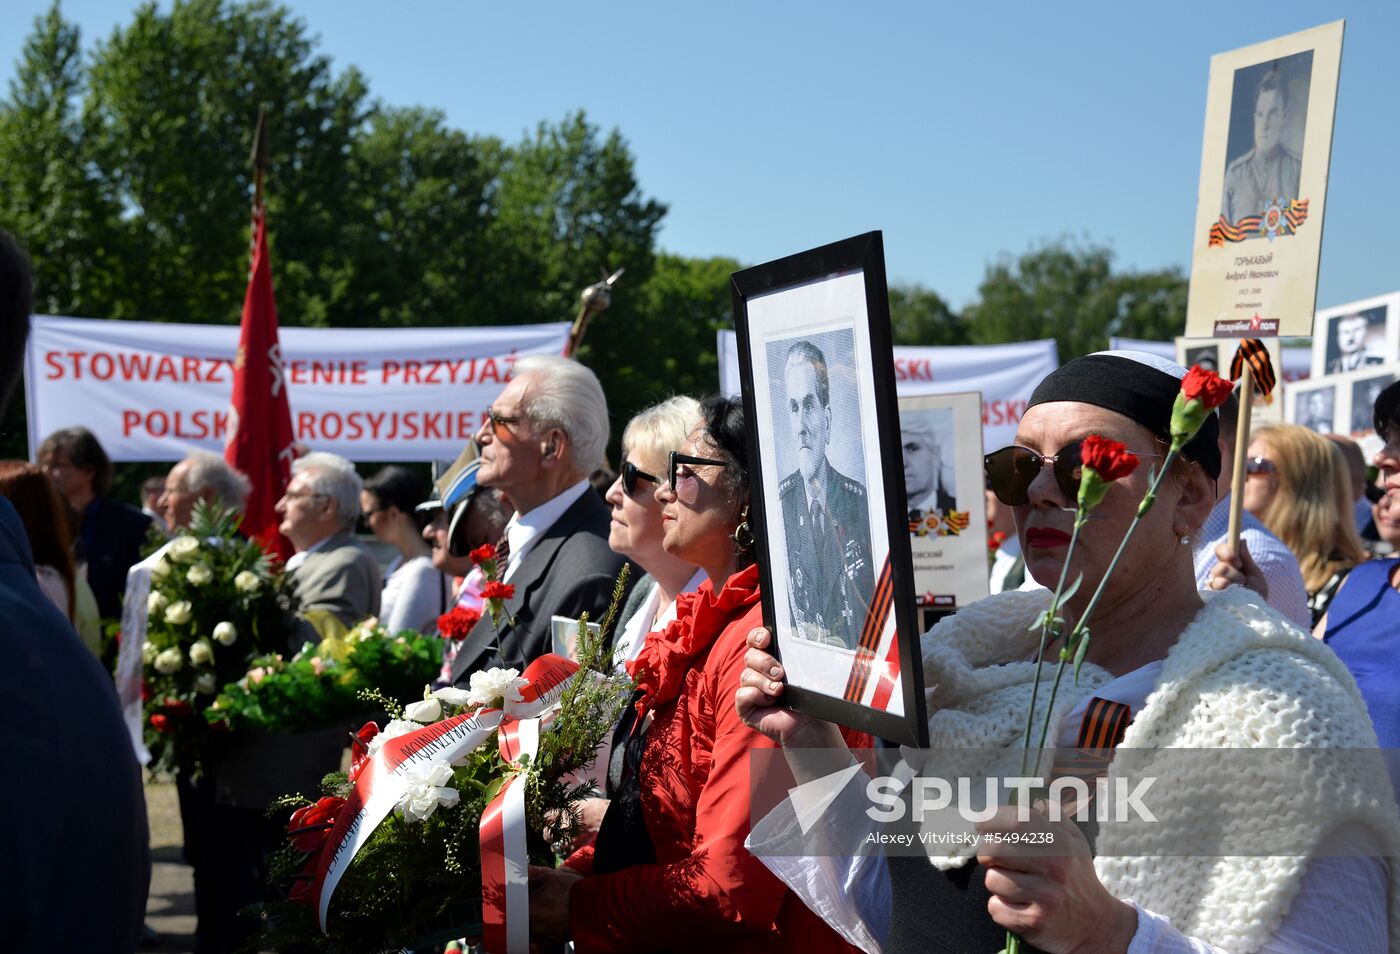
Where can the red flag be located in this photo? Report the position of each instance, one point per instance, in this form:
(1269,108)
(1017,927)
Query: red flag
(260,425)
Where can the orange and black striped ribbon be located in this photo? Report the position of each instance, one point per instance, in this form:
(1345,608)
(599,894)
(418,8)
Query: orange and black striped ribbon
(880,602)
(1252,350)
(1103,727)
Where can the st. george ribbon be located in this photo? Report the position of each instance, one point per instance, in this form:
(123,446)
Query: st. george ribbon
(382,783)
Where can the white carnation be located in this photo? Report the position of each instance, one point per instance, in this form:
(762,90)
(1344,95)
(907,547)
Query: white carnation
(169,661)
(225,633)
(206,684)
(425,791)
(183,549)
(155,603)
(199,574)
(453,696)
(177,614)
(247,581)
(202,653)
(393,730)
(495,688)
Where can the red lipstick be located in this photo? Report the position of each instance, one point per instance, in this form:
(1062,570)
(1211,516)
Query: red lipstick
(1046,538)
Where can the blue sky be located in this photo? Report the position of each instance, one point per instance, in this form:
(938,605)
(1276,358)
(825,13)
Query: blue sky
(964,131)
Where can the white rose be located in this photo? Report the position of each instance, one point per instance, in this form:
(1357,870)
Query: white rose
(177,614)
(453,696)
(155,603)
(247,582)
(425,790)
(202,653)
(495,687)
(393,730)
(169,661)
(206,684)
(149,652)
(199,574)
(428,710)
(225,633)
(183,549)
(161,570)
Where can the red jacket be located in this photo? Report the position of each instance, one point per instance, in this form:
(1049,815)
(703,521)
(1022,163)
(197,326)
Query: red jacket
(706,890)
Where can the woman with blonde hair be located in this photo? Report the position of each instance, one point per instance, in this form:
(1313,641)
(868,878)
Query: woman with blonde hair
(1297,483)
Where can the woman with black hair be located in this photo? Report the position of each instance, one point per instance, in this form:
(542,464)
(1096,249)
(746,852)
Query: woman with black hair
(415,593)
(669,870)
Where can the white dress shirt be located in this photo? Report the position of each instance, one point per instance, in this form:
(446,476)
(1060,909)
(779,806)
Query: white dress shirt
(524,529)
(1287,594)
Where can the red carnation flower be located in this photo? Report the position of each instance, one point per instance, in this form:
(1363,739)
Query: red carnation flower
(487,551)
(498,591)
(309,825)
(160,722)
(457,623)
(1111,459)
(1206,386)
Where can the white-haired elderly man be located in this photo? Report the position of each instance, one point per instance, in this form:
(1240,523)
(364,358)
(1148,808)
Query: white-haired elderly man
(543,436)
(333,571)
(201,476)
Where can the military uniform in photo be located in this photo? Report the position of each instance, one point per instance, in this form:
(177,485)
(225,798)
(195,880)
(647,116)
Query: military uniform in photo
(1253,184)
(829,563)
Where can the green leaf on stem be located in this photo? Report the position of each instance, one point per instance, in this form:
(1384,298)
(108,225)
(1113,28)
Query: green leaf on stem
(1073,588)
(1080,652)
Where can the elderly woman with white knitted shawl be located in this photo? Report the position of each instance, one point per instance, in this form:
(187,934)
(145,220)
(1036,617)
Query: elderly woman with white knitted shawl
(1183,669)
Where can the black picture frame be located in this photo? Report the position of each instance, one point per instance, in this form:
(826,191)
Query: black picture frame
(813,298)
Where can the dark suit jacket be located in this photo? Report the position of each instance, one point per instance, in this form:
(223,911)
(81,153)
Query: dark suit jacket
(570,570)
(77,856)
(117,534)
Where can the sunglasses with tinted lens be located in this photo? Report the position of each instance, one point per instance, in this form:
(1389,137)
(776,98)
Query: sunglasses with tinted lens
(678,458)
(1011,470)
(1259,465)
(631,474)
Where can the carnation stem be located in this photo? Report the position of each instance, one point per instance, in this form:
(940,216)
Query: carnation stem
(1046,627)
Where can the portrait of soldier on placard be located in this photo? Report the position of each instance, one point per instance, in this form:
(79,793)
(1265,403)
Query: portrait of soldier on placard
(1204,356)
(1315,409)
(927,484)
(1268,120)
(1356,340)
(824,511)
(1363,402)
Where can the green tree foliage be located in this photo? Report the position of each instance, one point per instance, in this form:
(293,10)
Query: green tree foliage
(919,316)
(1068,291)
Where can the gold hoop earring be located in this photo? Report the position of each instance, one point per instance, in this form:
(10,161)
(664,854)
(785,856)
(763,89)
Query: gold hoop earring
(743,535)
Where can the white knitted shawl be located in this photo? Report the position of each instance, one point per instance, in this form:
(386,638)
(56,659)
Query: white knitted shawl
(1239,676)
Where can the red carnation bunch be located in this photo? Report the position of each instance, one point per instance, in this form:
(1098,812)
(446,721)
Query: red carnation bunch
(496,590)
(457,622)
(1111,459)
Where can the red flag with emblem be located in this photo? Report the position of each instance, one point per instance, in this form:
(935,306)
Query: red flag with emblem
(260,425)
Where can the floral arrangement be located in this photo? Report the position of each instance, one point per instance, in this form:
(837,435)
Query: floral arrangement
(216,601)
(1102,462)
(456,623)
(447,760)
(325,683)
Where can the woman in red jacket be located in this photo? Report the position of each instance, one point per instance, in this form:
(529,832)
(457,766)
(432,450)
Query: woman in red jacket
(669,870)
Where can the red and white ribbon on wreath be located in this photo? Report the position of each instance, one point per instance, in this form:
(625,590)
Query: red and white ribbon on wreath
(383,782)
(505,860)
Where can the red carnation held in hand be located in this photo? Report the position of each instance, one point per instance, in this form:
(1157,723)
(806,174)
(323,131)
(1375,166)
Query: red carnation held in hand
(310,824)
(497,591)
(487,551)
(1111,459)
(1207,386)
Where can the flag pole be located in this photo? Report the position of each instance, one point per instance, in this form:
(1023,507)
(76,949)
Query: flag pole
(260,157)
(595,298)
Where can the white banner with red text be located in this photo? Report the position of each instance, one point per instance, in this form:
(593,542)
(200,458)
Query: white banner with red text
(1005,374)
(156,391)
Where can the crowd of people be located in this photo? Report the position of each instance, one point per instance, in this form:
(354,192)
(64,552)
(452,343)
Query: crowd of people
(1287,638)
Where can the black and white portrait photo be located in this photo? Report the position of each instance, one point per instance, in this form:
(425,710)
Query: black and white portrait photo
(1268,120)
(1356,340)
(1364,392)
(1315,409)
(929,484)
(822,496)
(1205,356)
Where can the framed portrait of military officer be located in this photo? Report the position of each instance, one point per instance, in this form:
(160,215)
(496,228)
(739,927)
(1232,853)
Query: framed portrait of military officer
(1356,336)
(817,379)
(1263,187)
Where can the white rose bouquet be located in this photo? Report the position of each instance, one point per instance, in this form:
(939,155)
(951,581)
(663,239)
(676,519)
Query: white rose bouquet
(217,601)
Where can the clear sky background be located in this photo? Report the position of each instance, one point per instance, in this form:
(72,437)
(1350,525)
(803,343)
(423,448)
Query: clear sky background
(964,130)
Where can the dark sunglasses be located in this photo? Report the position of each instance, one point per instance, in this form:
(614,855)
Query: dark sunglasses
(1259,465)
(678,458)
(1011,470)
(631,474)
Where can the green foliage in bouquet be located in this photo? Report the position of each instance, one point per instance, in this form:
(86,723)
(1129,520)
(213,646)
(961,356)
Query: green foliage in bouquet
(417,881)
(325,683)
(216,601)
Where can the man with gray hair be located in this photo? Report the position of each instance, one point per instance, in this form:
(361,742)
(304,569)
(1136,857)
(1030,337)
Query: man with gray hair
(201,476)
(542,437)
(334,572)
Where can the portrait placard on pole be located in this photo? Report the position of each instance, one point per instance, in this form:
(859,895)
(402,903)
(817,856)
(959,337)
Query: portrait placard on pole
(1214,354)
(1263,187)
(818,388)
(1358,335)
(941,440)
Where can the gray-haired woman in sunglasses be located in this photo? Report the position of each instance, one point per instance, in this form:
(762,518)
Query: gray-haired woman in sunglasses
(1173,668)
